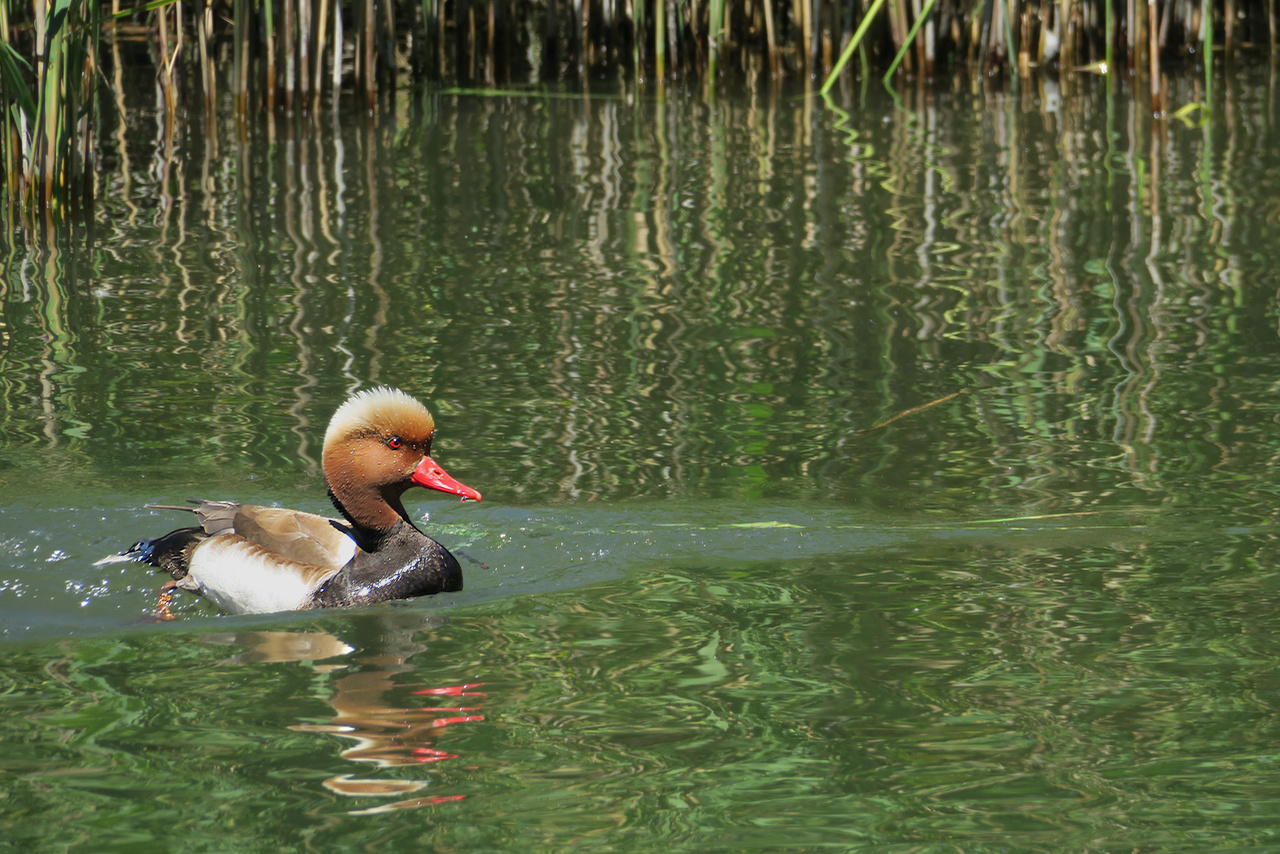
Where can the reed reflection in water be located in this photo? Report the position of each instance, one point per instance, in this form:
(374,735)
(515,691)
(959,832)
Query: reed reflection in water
(610,296)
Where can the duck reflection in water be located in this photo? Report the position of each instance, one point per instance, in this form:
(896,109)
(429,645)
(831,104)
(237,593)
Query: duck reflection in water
(387,733)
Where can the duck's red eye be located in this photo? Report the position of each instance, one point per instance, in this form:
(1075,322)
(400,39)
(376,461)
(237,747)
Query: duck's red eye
(394,443)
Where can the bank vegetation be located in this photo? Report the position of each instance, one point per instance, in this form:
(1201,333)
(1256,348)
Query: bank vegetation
(63,63)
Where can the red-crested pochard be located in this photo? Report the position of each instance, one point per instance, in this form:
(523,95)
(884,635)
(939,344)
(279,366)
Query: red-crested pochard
(254,560)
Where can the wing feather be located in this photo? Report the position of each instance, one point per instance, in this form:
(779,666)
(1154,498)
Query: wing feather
(302,538)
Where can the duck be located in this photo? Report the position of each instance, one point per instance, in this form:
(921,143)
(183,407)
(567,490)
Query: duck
(251,559)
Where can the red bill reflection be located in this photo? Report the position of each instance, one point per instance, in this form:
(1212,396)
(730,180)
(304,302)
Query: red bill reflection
(367,692)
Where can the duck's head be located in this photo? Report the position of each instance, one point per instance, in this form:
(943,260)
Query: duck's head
(378,445)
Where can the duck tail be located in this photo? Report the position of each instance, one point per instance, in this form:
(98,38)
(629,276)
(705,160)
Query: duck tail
(170,552)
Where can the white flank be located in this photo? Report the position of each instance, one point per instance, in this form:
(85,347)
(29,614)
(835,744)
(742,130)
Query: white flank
(245,579)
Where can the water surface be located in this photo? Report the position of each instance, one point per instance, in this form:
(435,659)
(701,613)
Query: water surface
(864,476)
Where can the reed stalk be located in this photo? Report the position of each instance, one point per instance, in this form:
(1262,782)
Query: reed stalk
(204,37)
(490,52)
(1109,31)
(167,58)
(240,42)
(1006,18)
(305,38)
(897,23)
(675,32)
(1229,29)
(387,53)
(337,50)
(911,36)
(852,46)
(48,126)
(289,51)
(1153,49)
(771,38)
(49,59)
(637,37)
(317,65)
(269,37)
(579,34)
(1206,49)
(369,24)
(1271,27)
(715,33)
(660,37)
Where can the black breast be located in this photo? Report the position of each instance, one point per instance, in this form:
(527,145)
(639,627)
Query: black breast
(403,564)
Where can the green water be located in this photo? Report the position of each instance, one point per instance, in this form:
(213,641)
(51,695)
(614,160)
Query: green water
(864,476)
